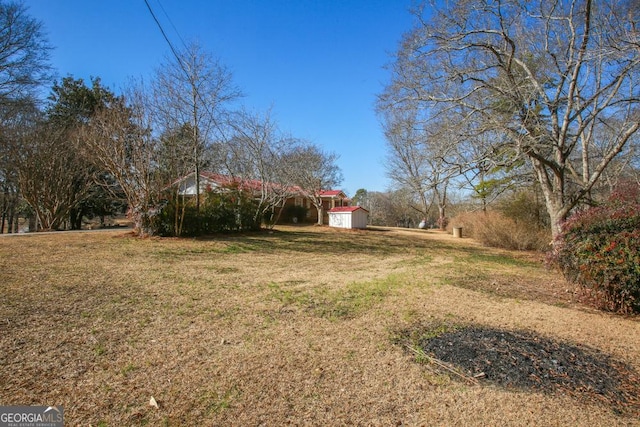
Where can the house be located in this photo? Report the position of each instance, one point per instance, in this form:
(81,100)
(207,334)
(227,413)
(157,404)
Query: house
(348,217)
(330,199)
(211,181)
(296,197)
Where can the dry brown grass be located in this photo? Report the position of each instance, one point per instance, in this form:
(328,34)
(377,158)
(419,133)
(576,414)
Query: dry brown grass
(494,229)
(290,327)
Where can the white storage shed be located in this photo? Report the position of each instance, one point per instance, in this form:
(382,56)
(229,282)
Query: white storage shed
(348,217)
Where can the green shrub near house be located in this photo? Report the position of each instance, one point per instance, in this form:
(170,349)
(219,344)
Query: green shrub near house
(291,211)
(220,212)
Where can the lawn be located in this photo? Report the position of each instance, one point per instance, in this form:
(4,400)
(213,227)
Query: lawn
(304,326)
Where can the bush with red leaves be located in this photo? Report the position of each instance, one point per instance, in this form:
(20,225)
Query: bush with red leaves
(599,249)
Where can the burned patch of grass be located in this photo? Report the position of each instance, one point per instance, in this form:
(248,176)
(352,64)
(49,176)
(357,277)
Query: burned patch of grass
(523,360)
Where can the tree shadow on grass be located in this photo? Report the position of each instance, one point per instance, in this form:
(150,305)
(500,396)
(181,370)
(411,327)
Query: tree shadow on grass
(333,242)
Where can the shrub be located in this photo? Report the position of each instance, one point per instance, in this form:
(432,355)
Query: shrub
(290,212)
(599,250)
(219,213)
(525,206)
(494,229)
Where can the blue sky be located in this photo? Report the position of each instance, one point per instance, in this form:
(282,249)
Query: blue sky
(319,64)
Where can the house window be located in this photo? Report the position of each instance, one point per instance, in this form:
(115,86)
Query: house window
(298,201)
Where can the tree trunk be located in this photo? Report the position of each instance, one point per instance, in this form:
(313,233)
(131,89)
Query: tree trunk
(557,218)
(320,215)
(442,219)
(556,209)
(442,206)
(12,220)
(16,224)
(142,225)
(75,218)
(553,190)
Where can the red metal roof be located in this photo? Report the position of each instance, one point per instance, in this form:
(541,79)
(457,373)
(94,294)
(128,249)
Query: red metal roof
(256,185)
(245,184)
(327,193)
(347,209)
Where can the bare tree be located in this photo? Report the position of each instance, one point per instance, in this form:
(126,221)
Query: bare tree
(256,156)
(486,172)
(421,154)
(24,54)
(313,170)
(175,162)
(407,159)
(625,167)
(395,208)
(15,124)
(548,75)
(24,67)
(119,140)
(193,89)
(9,192)
(53,177)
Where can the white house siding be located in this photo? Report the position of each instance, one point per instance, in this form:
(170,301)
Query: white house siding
(188,186)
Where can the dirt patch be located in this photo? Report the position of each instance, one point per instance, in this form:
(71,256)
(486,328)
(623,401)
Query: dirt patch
(526,361)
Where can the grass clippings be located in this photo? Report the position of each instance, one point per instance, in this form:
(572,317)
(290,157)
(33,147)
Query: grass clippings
(285,327)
